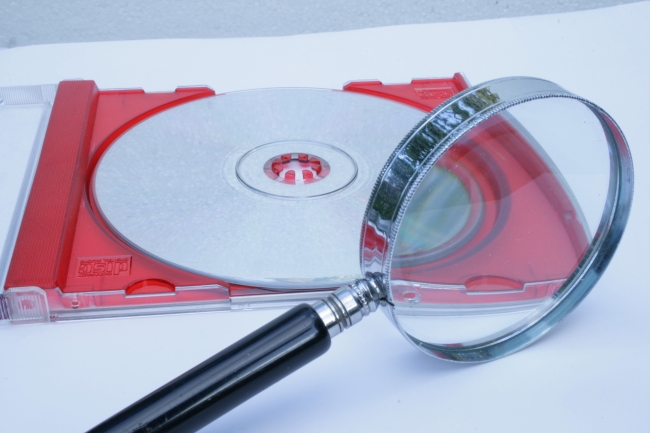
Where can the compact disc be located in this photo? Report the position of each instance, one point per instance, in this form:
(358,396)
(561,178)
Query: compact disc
(263,187)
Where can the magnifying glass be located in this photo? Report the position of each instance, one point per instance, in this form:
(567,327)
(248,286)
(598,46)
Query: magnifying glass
(490,222)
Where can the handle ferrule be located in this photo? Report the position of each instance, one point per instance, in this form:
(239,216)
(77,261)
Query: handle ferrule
(349,304)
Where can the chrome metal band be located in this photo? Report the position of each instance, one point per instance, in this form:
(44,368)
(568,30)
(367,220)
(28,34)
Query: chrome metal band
(349,304)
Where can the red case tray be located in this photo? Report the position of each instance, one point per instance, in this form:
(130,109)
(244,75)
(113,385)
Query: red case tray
(65,248)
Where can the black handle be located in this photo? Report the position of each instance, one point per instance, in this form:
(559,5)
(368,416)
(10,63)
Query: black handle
(212,388)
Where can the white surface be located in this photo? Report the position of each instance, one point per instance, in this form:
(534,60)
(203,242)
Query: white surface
(587,375)
(30,22)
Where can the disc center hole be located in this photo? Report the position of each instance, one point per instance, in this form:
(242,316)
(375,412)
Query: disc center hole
(296,168)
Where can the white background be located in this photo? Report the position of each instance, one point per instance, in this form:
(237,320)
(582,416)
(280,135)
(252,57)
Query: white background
(589,374)
(29,22)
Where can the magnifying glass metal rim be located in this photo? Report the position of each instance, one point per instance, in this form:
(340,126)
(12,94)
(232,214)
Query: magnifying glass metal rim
(419,152)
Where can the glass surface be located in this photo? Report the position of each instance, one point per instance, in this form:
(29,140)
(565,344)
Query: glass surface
(499,223)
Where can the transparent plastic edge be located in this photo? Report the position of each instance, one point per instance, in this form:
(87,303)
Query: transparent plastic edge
(21,96)
(24,305)
(35,305)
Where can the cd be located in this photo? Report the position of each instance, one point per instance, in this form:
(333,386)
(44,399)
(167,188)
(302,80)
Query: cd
(262,188)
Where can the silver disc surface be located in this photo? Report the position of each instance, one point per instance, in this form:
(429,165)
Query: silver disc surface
(188,186)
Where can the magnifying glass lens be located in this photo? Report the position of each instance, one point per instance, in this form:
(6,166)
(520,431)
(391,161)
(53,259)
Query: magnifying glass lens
(499,223)
(447,201)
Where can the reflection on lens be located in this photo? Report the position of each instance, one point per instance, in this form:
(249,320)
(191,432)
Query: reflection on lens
(435,217)
(499,223)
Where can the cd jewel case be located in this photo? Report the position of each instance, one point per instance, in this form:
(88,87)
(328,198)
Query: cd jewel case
(132,203)
(128,203)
